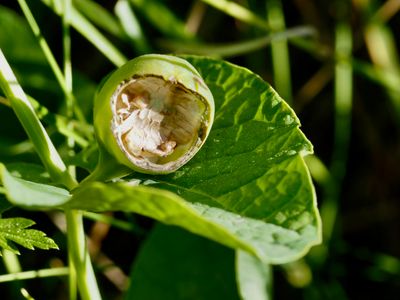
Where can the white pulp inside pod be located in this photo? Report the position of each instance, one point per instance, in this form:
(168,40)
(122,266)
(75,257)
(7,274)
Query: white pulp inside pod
(158,121)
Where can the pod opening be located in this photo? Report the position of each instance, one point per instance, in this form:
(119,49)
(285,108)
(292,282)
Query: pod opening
(158,123)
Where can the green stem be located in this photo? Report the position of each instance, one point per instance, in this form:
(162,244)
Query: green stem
(34,274)
(107,168)
(343,107)
(123,225)
(84,272)
(34,129)
(238,12)
(280,51)
(12,266)
(64,82)
(54,165)
(332,185)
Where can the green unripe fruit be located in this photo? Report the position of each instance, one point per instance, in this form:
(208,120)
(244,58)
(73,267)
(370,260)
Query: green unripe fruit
(154,113)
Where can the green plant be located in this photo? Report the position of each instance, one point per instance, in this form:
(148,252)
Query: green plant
(248,188)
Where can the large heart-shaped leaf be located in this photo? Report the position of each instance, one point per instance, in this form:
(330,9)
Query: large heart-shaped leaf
(250,177)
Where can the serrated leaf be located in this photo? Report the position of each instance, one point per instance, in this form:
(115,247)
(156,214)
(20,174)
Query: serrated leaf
(31,195)
(14,230)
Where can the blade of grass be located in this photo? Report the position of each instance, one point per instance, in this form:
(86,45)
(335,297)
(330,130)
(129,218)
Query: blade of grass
(387,10)
(162,18)
(43,44)
(100,16)
(238,12)
(332,185)
(237,48)
(84,27)
(35,130)
(279,51)
(131,26)
(66,88)
(386,79)
(381,44)
(195,17)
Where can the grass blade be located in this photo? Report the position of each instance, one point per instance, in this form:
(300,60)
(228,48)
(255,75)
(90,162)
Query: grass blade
(84,27)
(238,12)
(280,51)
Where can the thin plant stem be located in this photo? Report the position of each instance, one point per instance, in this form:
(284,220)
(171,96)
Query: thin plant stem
(238,12)
(35,274)
(73,264)
(90,32)
(12,265)
(131,26)
(280,51)
(86,279)
(82,274)
(332,184)
(65,83)
(67,52)
(33,127)
(237,48)
(123,225)
(43,44)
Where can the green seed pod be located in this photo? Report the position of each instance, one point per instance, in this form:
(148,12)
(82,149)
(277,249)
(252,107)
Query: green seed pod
(154,113)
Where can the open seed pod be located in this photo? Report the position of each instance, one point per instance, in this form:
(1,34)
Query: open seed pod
(154,113)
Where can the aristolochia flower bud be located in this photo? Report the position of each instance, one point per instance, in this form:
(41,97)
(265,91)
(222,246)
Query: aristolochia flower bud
(154,113)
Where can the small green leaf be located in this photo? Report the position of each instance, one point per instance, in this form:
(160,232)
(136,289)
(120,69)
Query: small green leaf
(14,230)
(205,269)
(31,195)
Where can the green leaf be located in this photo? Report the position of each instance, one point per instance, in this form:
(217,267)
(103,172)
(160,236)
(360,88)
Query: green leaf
(158,204)
(250,177)
(14,230)
(28,171)
(205,269)
(248,188)
(254,278)
(31,195)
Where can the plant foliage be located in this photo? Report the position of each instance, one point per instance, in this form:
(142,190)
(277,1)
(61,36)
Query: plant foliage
(15,231)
